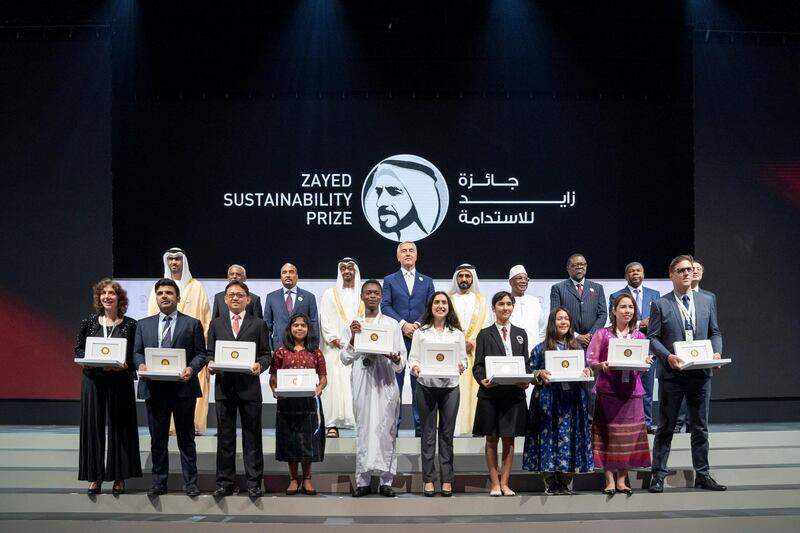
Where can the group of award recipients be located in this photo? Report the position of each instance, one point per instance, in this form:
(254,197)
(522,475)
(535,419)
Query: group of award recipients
(561,438)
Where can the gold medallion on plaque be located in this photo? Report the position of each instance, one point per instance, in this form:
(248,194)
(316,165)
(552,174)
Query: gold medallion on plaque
(695,353)
(165,362)
(374,337)
(628,352)
(296,380)
(234,355)
(565,363)
(105,350)
(440,357)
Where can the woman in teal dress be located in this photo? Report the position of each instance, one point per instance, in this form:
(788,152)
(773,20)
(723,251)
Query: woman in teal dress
(558,440)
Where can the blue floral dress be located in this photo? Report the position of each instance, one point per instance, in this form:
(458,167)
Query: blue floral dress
(558,437)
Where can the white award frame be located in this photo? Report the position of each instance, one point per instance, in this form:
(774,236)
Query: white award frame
(628,354)
(296,382)
(566,365)
(374,338)
(698,354)
(439,360)
(163,364)
(102,351)
(505,370)
(234,356)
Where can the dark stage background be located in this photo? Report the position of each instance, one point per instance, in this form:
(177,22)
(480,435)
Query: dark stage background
(652,114)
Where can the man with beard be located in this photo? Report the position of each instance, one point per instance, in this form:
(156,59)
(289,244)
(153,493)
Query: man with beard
(220,308)
(584,300)
(284,302)
(339,307)
(528,313)
(193,302)
(471,309)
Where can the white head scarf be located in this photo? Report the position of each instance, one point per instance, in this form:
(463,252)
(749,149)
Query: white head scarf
(356,282)
(476,288)
(186,275)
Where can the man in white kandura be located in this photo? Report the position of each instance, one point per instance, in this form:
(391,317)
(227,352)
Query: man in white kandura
(472,311)
(528,313)
(376,397)
(339,307)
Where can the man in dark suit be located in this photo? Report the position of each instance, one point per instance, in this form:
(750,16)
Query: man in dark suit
(239,392)
(171,329)
(284,302)
(254,308)
(583,299)
(405,295)
(644,297)
(682,315)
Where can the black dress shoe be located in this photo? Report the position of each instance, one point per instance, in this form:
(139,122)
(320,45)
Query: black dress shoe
(156,490)
(564,489)
(94,490)
(708,483)
(255,492)
(221,492)
(551,490)
(192,490)
(361,491)
(656,485)
(386,490)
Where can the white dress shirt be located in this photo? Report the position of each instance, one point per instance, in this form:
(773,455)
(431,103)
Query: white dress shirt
(241,320)
(430,335)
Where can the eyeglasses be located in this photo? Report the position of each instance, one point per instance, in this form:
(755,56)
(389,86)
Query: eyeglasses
(684,270)
(578,265)
(236,295)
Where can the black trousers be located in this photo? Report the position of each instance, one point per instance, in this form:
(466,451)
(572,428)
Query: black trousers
(437,405)
(111,395)
(159,410)
(250,414)
(696,389)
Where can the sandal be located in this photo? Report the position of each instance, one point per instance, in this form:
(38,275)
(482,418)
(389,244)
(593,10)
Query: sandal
(333,433)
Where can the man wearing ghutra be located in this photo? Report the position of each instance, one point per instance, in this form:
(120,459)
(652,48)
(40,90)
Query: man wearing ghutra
(376,396)
(339,307)
(193,302)
(471,309)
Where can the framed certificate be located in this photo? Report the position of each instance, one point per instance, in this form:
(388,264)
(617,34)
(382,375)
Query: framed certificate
(439,360)
(102,351)
(565,365)
(628,354)
(233,356)
(374,338)
(698,354)
(507,370)
(164,364)
(296,382)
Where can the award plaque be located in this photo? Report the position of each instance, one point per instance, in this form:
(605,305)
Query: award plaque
(163,364)
(296,382)
(233,356)
(505,370)
(565,365)
(374,338)
(102,351)
(698,354)
(628,354)
(439,360)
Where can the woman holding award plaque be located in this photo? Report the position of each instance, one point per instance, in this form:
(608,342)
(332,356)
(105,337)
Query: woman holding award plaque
(437,391)
(108,391)
(619,434)
(299,422)
(557,440)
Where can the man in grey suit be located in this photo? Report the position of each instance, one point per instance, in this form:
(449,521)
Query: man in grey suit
(254,309)
(583,299)
(682,315)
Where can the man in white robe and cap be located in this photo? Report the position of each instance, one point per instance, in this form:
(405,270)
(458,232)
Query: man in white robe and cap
(473,315)
(528,313)
(376,396)
(339,307)
(193,302)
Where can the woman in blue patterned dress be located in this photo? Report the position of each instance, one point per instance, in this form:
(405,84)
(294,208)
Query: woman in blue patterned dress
(558,439)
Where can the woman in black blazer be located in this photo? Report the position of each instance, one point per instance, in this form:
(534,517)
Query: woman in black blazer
(501,411)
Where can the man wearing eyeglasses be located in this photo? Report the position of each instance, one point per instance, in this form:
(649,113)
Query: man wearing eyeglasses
(584,300)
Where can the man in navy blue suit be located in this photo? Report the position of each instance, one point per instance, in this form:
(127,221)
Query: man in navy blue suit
(284,302)
(679,316)
(405,295)
(583,299)
(171,329)
(644,296)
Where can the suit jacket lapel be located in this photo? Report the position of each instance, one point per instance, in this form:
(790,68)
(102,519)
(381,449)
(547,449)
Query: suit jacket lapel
(676,312)
(571,288)
(497,340)
(246,324)
(180,325)
(516,347)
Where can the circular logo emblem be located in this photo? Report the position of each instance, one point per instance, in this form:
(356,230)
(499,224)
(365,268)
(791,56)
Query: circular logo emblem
(505,369)
(105,350)
(367,361)
(165,362)
(628,352)
(440,357)
(234,355)
(296,380)
(405,198)
(695,353)
(565,363)
(373,337)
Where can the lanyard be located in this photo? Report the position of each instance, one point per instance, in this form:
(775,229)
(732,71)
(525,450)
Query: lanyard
(689,316)
(103,326)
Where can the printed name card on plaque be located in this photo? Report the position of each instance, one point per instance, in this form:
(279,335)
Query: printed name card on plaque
(374,338)
(698,354)
(102,351)
(164,364)
(628,354)
(505,370)
(439,360)
(233,356)
(296,382)
(565,365)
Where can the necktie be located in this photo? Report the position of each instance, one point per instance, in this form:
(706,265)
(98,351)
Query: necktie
(579,286)
(505,336)
(685,300)
(409,281)
(289,304)
(236,319)
(638,300)
(166,338)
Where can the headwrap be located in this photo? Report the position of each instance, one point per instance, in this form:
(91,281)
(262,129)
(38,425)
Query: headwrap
(356,282)
(470,268)
(186,274)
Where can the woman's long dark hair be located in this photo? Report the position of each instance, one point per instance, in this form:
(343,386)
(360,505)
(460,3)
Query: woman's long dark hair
(632,322)
(312,339)
(450,321)
(551,337)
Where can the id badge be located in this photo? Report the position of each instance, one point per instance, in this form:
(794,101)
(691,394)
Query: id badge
(689,335)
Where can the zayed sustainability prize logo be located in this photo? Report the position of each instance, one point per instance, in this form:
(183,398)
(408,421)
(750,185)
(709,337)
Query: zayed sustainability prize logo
(405,198)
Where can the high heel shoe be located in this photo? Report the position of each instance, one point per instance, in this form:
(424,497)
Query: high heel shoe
(292,492)
(428,493)
(94,488)
(310,492)
(609,492)
(447,493)
(118,488)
